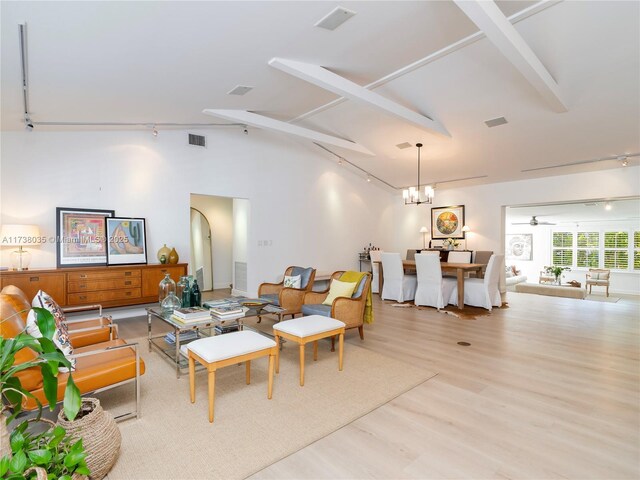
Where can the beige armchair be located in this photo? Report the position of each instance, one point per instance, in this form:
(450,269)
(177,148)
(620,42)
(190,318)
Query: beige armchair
(347,310)
(289,298)
(598,277)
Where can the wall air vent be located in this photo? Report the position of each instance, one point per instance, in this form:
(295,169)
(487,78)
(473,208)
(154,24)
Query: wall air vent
(404,145)
(494,122)
(197,140)
(335,18)
(239,90)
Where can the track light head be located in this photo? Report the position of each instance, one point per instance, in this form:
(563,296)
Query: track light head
(29,126)
(27,121)
(154,131)
(340,161)
(245,130)
(368,179)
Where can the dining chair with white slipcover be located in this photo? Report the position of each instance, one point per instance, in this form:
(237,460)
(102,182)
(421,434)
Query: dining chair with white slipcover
(433,290)
(396,285)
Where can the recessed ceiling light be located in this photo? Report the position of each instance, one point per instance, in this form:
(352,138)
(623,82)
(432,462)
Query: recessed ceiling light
(404,145)
(494,122)
(239,90)
(335,18)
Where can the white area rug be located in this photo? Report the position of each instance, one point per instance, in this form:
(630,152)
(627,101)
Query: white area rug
(602,298)
(174,439)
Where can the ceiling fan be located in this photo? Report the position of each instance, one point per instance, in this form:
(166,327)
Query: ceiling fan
(534,222)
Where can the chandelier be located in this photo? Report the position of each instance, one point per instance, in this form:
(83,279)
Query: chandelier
(416,195)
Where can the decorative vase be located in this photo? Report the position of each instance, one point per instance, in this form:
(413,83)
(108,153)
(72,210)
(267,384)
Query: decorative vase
(100,436)
(173,256)
(449,247)
(163,251)
(166,287)
(170,303)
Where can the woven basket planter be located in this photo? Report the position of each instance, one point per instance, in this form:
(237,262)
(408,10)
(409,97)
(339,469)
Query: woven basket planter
(100,437)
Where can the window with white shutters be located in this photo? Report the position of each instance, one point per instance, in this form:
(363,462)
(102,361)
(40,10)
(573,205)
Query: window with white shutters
(616,250)
(562,251)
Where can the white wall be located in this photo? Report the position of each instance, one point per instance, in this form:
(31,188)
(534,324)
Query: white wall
(313,211)
(484,207)
(219,212)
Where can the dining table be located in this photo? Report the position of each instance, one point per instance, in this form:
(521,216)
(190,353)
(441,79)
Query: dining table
(460,270)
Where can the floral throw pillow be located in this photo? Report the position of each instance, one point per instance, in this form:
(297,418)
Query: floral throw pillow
(61,335)
(292,282)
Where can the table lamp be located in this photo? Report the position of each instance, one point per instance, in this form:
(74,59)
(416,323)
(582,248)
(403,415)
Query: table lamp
(465,230)
(19,236)
(424,231)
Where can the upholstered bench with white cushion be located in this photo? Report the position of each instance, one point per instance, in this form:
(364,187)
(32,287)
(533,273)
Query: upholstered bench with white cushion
(309,329)
(224,350)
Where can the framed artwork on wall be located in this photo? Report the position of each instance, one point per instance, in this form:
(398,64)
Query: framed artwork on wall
(127,243)
(519,246)
(447,222)
(81,236)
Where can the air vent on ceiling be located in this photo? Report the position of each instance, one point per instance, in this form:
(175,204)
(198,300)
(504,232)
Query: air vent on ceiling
(197,140)
(335,18)
(404,145)
(239,90)
(494,122)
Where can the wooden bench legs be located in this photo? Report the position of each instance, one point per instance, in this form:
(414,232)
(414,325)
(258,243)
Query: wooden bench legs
(213,366)
(302,341)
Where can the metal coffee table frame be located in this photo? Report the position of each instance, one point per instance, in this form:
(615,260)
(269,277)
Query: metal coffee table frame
(203,328)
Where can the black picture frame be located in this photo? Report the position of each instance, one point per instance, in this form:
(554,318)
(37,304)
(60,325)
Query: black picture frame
(81,236)
(447,222)
(127,241)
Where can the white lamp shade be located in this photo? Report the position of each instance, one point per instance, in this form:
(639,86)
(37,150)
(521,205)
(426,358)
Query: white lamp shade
(424,230)
(466,229)
(15,235)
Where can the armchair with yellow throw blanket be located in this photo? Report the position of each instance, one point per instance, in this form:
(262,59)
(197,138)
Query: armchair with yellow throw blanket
(354,310)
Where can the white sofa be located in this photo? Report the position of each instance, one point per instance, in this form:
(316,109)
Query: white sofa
(513,276)
(511,281)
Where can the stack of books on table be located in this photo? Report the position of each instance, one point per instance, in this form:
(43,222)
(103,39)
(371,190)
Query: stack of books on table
(227,312)
(187,336)
(191,314)
(220,329)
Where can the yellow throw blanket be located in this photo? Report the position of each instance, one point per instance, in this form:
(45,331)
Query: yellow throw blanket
(351,276)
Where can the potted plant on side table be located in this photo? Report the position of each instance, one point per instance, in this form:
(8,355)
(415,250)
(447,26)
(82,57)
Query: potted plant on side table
(556,272)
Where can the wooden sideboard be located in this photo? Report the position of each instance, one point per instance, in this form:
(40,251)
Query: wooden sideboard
(114,286)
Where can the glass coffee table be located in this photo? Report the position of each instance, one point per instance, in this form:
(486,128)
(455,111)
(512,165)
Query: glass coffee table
(184,333)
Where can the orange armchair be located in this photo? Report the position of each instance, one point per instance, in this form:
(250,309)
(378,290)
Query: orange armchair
(289,298)
(82,333)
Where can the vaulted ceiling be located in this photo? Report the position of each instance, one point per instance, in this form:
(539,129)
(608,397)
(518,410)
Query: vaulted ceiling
(164,62)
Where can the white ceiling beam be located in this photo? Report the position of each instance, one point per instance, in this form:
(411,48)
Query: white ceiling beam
(260,121)
(323,78)
(490,19)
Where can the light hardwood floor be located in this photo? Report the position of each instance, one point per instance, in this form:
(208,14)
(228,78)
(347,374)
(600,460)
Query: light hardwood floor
(548,388)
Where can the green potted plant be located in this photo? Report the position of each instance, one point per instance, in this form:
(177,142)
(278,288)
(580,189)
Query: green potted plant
(26,453)
(556,271)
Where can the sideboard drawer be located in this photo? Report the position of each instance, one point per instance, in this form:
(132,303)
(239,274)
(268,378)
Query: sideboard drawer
(104,275)
(103,296)
(93,285)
